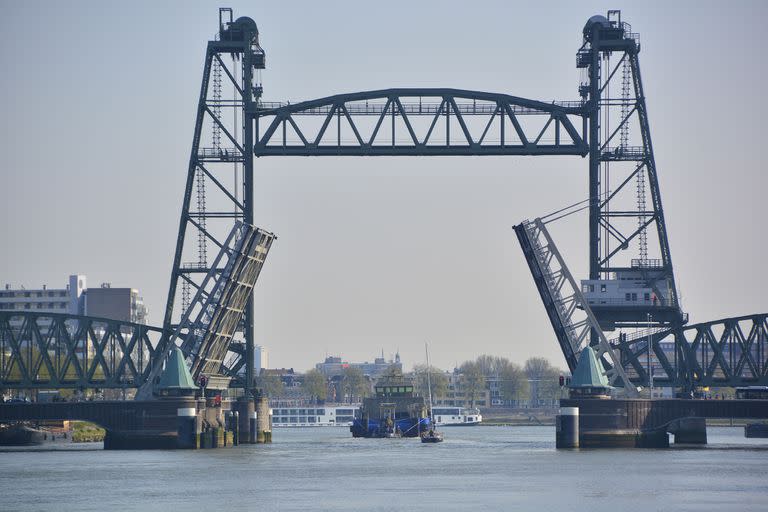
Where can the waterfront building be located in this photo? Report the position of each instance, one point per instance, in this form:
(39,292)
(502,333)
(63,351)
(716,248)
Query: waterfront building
(70,300)
(124,304)
(459,394)
(335,366)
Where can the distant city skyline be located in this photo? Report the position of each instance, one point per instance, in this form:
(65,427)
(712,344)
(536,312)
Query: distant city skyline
(384,252)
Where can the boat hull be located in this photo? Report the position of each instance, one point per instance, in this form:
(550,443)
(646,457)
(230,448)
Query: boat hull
(21,435)
(376,428)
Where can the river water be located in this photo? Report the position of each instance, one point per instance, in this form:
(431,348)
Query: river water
(476,468)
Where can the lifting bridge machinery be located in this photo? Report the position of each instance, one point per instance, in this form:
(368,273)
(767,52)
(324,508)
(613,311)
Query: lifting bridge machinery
(209,307)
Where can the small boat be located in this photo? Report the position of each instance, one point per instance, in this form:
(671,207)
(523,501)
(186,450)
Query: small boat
(432,435)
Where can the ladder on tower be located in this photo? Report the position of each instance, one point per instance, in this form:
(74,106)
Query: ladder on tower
(568,311)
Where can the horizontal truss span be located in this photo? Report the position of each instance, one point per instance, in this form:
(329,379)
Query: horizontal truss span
(453,122)
(55,351)
(728,352)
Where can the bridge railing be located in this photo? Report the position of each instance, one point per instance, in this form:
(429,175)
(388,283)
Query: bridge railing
(58,351)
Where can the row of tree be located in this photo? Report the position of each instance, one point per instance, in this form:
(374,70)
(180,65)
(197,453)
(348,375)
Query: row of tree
(536,380)
(352,385)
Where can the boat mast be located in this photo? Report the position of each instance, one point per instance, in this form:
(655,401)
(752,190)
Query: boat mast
(429,388)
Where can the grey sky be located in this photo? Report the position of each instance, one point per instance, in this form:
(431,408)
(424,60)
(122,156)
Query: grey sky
(98,111)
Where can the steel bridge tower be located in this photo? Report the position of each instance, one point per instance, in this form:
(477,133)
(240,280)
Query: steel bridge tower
(220,172)
(627,287)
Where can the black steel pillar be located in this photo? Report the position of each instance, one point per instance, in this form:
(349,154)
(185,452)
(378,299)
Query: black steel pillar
(222,146)
(594,157)
(249,109)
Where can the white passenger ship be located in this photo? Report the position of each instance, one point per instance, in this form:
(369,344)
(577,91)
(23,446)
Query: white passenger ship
(314,416)
(448,416)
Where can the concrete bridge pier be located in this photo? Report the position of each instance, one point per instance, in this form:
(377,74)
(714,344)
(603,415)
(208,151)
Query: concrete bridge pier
(245,409)
(689,430)
(187,427)
(263,421)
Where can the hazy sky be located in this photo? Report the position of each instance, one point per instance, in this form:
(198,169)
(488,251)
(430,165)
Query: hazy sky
(98,109)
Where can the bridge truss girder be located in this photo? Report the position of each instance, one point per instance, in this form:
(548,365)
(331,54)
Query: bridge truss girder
(62,351)
(727,352)
(420,122)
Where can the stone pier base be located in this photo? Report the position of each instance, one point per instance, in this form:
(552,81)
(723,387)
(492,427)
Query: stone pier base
(689,430)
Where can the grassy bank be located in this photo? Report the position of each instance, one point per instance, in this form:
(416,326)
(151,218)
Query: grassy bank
(85,432)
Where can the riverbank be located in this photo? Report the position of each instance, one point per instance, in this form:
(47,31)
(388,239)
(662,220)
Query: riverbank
(502,416)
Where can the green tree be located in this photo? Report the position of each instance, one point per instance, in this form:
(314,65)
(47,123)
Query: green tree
(315,384)
(472,380)
(514,383)
(354,383)
(491,366)
(543,378)
(437,377)
(270,384)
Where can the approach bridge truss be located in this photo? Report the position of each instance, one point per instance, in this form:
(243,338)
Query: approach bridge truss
(63,351)
(728,352)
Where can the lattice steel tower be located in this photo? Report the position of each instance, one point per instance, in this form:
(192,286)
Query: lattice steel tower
(220,172)
(631,281)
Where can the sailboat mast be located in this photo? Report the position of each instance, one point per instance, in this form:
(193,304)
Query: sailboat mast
(429,386)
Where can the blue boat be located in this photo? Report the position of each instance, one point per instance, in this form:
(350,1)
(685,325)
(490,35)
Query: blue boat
(394,411)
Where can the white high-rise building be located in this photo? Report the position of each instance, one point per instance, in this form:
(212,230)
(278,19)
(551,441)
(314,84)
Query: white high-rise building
(260,358)
(122,304)
(69,300)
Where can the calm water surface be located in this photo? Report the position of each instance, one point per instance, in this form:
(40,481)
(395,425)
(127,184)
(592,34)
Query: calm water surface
(481,468)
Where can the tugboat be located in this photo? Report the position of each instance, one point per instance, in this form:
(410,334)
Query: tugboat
(394,411)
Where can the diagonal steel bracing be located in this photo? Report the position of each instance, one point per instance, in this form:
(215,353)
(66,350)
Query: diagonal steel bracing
(337,125)
(569,314)
(213,316)
(50,351)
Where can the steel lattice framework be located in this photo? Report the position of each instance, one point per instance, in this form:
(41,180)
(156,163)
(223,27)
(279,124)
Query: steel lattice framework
(569,313)
(727,352)
(609,125)
(220,172)
(213,315)
(622,173)
(70,351)
(450,122)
